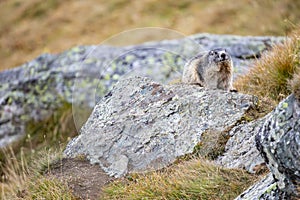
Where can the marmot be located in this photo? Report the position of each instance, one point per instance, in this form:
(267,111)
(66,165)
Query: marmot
(212,70)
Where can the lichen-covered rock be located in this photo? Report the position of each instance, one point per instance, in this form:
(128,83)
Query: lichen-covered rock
(240,149)
(278,140)
(141,125)
(279,143)
(266,189)
(34,90)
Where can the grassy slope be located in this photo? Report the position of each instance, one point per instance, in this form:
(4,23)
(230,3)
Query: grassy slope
(28,28)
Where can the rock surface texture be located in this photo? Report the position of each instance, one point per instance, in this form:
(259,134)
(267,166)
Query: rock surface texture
(279,142)
(240,151)
(142,125)
(34,90)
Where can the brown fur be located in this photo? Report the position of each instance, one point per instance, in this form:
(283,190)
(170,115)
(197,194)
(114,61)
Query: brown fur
(210,70)
(224,75)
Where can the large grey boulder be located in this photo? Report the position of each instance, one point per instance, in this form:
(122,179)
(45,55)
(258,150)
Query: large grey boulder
(82,75)
(279,142)
(142,125)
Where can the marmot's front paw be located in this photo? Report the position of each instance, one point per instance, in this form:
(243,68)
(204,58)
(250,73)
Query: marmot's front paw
(198,84)
(233,90)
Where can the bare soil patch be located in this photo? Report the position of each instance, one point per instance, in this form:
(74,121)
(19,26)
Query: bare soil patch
(84,180)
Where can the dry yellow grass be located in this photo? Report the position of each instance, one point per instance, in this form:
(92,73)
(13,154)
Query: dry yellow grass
(194,179)
(15,173)
(29,28)
(22,177)
(270,75)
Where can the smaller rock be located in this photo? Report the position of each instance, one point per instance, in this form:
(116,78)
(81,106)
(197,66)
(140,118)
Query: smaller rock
(240,150)
(266,189)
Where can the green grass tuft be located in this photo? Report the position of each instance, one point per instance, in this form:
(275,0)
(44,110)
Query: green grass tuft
(48,188)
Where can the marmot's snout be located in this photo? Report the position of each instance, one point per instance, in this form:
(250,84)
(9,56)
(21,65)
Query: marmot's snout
(224,56)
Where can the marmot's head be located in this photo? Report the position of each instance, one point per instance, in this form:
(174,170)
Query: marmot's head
(221,58)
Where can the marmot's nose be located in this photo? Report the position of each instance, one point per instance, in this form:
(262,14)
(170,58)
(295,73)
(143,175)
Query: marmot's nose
(223,56)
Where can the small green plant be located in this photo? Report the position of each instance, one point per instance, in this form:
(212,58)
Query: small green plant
(193,179)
